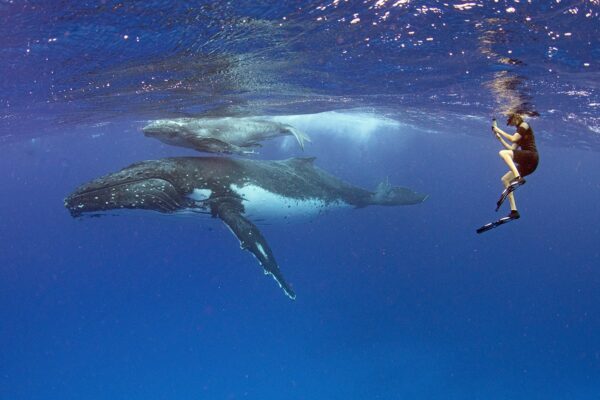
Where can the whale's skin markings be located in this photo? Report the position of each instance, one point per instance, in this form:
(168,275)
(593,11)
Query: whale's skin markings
(260,203)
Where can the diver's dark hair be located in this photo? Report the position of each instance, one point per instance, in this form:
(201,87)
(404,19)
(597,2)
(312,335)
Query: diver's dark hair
(514,118)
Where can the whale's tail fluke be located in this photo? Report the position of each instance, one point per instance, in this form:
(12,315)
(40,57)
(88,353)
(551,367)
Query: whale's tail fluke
(300,136)
(387,195)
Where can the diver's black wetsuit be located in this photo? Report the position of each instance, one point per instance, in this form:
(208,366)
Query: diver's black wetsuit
(526,157)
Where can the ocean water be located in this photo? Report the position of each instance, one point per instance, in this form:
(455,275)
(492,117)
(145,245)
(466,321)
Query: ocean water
(392,302)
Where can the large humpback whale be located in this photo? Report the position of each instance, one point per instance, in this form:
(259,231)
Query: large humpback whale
(234,190)
(229,135)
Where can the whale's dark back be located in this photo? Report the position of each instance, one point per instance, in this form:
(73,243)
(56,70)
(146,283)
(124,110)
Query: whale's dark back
(296,178)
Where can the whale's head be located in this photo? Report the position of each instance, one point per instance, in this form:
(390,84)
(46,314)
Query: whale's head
(169,131)
(149,185)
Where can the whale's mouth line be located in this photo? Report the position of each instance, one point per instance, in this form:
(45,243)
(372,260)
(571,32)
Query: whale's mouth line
(164,201)
(163,130)
(152,131)
(116,185)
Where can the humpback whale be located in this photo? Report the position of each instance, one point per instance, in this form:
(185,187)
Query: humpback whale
(229,135)
(237,191)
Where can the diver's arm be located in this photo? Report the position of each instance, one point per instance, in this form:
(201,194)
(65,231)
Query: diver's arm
(508,146)
(512,138)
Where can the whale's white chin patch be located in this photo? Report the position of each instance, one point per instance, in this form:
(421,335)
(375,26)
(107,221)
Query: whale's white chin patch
(263,204)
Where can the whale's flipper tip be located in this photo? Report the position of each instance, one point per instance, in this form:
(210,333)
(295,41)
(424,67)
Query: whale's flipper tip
(289,292)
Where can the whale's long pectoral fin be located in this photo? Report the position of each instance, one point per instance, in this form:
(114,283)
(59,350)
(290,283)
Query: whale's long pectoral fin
(252,240)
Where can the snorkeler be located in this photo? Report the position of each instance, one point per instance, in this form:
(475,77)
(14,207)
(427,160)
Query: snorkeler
(521,156)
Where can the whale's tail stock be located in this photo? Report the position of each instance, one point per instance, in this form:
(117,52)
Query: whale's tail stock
(387,195)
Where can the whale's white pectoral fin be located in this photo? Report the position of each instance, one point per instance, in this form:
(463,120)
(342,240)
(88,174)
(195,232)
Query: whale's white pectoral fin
(300,136)
(252,240)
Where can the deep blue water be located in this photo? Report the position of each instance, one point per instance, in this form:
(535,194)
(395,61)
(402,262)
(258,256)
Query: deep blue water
(392,302)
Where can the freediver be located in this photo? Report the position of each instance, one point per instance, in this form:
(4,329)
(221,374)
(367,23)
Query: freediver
(521,155)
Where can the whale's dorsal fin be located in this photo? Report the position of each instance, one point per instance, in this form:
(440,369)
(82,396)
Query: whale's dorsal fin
(251,239)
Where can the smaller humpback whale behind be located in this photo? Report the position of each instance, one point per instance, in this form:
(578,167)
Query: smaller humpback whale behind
(229,135)
(234,190)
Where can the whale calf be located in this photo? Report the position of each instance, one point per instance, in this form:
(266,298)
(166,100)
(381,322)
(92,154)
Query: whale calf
(237,191)
(229,135)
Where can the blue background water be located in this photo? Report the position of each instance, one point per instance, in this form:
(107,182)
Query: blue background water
(392,303)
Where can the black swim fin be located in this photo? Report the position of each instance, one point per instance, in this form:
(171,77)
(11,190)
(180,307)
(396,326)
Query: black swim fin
(512,216)
(515,183)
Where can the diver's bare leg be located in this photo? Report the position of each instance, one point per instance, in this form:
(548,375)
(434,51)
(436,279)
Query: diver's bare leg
(509,176)
(507,156)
